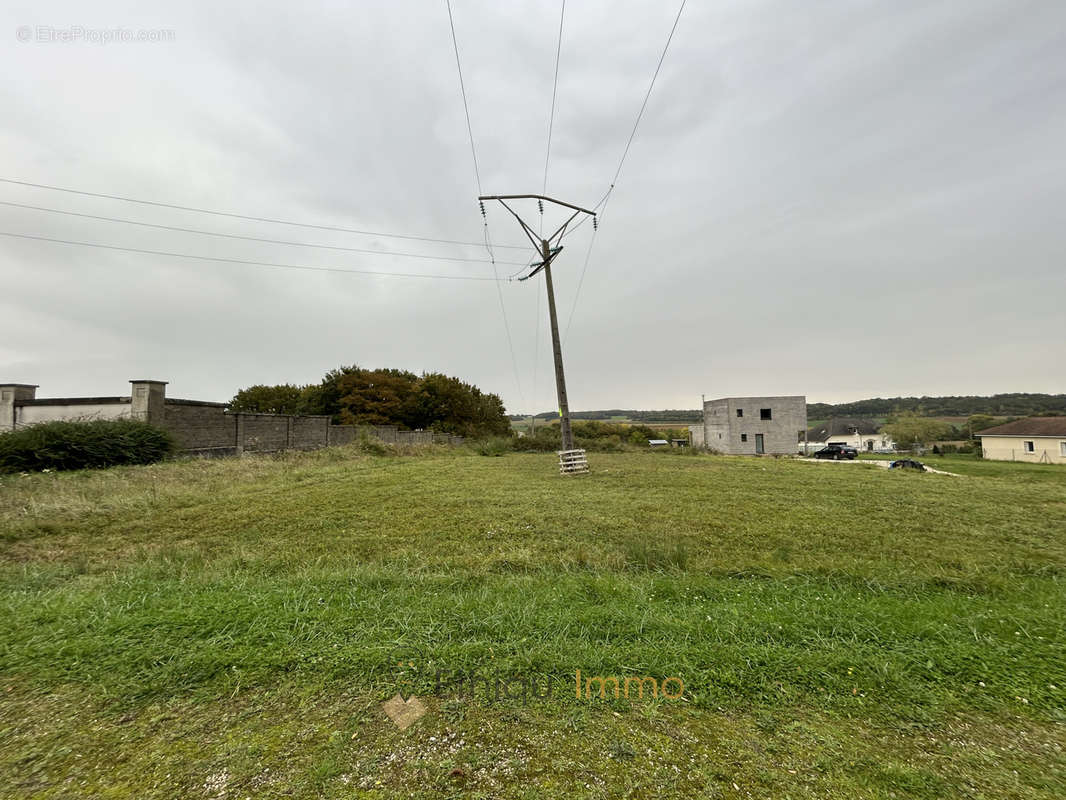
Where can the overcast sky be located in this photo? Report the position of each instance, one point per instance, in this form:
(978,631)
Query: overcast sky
(836,199)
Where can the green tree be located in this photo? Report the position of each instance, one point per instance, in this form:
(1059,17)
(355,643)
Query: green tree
(978,422)
(907,428)
(325,397)
(375,397)
(354,395)
(282,399)
(453,406)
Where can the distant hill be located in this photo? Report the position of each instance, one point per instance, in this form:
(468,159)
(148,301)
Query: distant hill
(1016,404)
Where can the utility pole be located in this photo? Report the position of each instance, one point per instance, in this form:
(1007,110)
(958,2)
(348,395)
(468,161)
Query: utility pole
(547,253)
(560,380)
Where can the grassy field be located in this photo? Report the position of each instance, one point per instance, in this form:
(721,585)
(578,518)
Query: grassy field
(230,628)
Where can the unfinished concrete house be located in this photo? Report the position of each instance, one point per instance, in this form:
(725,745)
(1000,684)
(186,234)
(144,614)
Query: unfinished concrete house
(752,425)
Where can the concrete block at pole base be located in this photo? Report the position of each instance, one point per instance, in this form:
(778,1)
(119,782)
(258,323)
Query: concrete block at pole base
(573,462)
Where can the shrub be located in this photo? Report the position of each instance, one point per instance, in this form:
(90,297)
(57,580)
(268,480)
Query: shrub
(372,446)
(494,446)
(545,441)
(596,436)
(83,445)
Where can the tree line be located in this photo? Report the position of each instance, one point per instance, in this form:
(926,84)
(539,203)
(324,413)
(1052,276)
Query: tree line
(1017,404)
(357,396)
(667,415)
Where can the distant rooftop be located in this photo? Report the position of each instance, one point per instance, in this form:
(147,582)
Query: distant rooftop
(1032,426)
(842,426)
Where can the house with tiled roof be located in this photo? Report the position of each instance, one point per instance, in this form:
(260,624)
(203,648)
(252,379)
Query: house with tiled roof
(862,434)
(1038,439)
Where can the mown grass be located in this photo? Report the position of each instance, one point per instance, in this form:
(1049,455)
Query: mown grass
(226,628)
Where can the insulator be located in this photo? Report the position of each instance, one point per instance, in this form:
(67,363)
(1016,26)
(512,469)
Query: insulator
(482,204)
(595,224)
(540,205)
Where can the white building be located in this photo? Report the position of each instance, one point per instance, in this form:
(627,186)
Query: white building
(862,434)
(1038,439)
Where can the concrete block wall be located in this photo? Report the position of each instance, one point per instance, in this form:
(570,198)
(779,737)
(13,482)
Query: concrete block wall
(200,426)
(386,433)
(716,430)
(695,435)
(264,432)
(726,432)
(342,434)
(310,432)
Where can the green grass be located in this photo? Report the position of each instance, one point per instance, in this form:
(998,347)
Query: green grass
(226,628)
(1015,472)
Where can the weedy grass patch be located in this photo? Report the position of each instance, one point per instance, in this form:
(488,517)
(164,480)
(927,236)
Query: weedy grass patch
(227,628)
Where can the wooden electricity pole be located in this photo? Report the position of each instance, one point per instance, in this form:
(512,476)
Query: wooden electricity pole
(547,253)
(557,352)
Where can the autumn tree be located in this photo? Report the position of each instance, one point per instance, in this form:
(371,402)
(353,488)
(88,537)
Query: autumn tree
(453,406)
(375,397)
(353,395)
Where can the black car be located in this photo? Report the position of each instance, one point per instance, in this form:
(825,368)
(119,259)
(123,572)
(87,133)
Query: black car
(837,451)
(907,463)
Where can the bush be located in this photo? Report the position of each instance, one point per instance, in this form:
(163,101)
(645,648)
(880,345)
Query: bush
(495,446)
(83,445)
(546,441)
(594,436)
(372,446)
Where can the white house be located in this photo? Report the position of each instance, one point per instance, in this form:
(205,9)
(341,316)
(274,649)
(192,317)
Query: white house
(1038,439)
(862,434)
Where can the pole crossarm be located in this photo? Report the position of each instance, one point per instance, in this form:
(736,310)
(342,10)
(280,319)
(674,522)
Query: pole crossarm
(528,231)
(561,228)
(536,197)
(538,266)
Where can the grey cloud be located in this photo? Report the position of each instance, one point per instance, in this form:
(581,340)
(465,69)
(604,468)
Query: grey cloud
(874,187)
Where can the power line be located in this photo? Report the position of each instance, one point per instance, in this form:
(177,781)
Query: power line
(651,86)
(477,179)
(601,207)
(233,215)
(580,282)
(220,259)
(462,89)
(555,89)
(596,210)
(251,238)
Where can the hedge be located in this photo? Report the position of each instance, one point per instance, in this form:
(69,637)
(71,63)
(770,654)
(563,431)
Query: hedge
(83,445)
